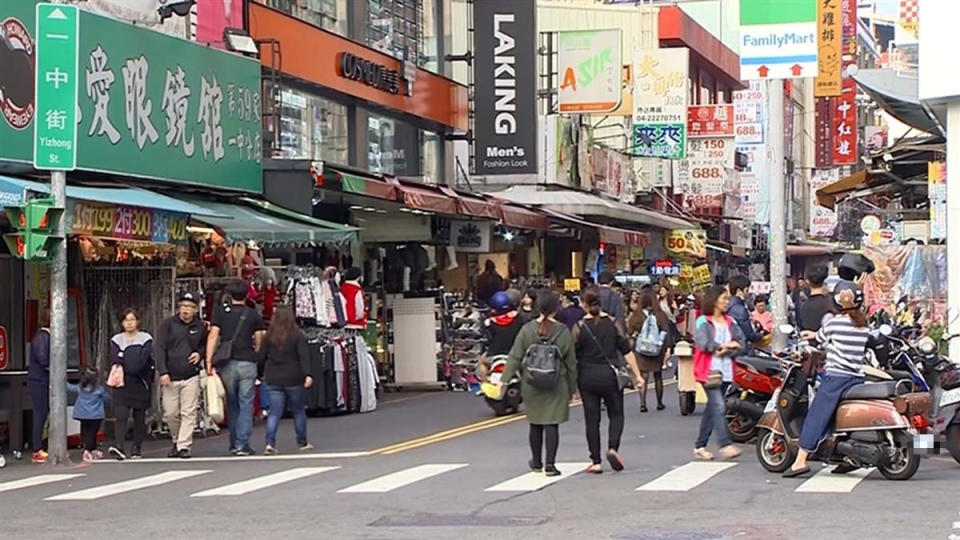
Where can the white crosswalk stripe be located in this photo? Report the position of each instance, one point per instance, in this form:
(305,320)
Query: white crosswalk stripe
(399,479)
(126,486)
(535,481)
(686,477)
(36,481)
(824,482)
(261,482)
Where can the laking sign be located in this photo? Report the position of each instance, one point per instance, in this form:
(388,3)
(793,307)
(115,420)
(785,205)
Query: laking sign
(151,106)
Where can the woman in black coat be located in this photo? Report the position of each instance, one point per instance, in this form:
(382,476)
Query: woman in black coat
(131,349)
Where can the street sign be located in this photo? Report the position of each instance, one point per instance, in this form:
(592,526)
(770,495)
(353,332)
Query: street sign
(778,40)
(55,128)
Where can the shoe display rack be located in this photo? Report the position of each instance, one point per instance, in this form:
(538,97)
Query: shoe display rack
(469,343)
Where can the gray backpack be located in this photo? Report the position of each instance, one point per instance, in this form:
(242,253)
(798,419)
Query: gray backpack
(541,363)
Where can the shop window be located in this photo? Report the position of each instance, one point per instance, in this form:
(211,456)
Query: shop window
(400,149)
(313,128)
(327,14)
(396,28)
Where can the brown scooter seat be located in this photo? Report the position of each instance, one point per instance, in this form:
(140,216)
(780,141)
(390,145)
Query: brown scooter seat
(876,390)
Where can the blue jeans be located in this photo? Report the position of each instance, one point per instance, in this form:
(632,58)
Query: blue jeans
(40,398)
(296,398)
(820,415)
(264,397)
(714,418)
(238,379)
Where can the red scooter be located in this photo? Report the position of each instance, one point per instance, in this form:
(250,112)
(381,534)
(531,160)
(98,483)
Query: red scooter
(755,378)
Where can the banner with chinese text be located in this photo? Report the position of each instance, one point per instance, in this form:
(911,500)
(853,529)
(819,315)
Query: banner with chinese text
(829,53)
(749,114)
(701,177)
(119,222)
(823,221)
(710,121)
(660,103)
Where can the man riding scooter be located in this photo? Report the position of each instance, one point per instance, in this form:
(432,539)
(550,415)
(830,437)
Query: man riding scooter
(501,328)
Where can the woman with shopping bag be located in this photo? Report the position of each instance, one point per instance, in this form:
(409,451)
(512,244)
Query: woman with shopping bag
(284,364)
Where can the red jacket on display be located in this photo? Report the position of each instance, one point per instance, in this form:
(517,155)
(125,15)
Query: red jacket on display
(356,309)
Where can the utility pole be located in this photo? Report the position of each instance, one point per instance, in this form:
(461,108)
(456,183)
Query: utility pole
(778,208)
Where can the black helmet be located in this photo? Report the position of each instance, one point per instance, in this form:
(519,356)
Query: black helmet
(848,295)
(854,265)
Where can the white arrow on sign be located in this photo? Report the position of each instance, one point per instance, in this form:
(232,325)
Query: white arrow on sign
(57,15)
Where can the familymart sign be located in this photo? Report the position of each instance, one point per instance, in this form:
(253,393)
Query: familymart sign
(778,40)
(589,65)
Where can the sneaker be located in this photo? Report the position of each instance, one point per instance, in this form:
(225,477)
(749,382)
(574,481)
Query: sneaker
(173,453)
(135,453)
(246,451)
(551,470)
(595,468)
(306,447)
(264,414)
(87,456)
(270,451)
(234,450)
(702,454)
(535,467)
(184,454)
(39,456)
(116,453)
(615,460)
(97,454)
(730,452)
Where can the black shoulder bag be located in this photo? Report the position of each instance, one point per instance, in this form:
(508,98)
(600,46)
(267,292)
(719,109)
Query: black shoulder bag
(625,379)
(225,349)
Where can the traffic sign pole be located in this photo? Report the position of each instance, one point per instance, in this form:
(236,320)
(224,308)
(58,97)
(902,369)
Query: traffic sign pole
(55,149)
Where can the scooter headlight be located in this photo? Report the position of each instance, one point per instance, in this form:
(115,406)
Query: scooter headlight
(927,346)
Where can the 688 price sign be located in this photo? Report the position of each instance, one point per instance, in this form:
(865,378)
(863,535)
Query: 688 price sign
(704,170)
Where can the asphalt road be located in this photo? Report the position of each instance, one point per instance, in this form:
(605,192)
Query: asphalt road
(470,482)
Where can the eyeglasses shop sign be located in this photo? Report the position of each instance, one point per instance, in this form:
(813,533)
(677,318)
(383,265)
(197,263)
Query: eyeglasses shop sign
(505,107)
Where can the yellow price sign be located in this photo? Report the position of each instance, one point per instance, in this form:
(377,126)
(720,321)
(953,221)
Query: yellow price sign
(690,242)
(571,285)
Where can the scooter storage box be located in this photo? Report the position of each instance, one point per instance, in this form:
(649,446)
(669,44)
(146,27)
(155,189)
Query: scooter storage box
(916,403)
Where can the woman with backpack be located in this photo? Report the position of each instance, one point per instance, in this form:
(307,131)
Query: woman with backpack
(131,376)
(544,354)
(649,326)
(600,342)
(718,339)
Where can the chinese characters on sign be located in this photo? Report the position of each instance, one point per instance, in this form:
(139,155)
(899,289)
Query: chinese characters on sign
(830,54)
(844,114)
(823,135)
(749,116)
(823,221)
(700,177)
(660,103)
(691,242)
(128,223)
(710,121)
(590,70)
(937,187)
(55,131)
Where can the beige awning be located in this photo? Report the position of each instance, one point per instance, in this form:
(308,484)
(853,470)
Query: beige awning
(827,195)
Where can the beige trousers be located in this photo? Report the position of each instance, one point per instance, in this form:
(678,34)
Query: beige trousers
(180,402)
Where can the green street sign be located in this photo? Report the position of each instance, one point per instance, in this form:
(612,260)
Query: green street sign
(55,128)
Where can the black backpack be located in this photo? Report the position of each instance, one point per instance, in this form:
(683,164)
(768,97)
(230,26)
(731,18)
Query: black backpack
(541,363)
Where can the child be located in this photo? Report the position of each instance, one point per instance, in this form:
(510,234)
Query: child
(89,410)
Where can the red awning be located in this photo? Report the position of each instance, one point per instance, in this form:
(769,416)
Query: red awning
(474,206)
(361,185)
(521,218)
(607,233)
(426,199)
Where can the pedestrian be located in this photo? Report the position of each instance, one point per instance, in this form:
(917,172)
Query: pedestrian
(668,305)
(739,287)
(571,313)
(610,301)
(284,364)
(235,337)
(761,315)
(38,384)
(546,408)
(600,345)
(89,409)
(811,313)
(488,282)
(528,305)
(180,344)
(718,339)
(501,329)
(132,351)
(651,364)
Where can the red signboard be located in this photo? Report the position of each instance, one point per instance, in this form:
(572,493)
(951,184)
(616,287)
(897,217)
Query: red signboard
(710,121)
(844,114)
(4,348)
(823,133)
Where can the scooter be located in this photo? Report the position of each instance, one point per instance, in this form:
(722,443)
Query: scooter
(875,424)
(506,399)
(755,379)
(943,378)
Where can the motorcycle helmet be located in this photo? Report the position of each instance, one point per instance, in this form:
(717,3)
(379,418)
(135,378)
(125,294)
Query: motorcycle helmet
(848,295)
(854,265)
(500,303)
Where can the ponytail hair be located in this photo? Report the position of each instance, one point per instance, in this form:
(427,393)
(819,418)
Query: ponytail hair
(591,301)
(858,316)
(548,303)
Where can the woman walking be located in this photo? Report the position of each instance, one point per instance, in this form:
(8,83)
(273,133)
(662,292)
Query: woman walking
(718,339)
(284,364)
(651,364)
(546,408)
(600,344)
(131,351)
(38,384)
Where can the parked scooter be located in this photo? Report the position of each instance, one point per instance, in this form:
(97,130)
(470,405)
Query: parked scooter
(943,378)
(755,379)
(506,399)
(874,424)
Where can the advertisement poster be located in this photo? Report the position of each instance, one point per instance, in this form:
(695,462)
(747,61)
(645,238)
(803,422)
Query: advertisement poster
(749,112)
(660,102)
(823,221)
(937,192)
(590,70)
(505,91)
(844,123)
(687,242)
(701,177)
(830,48)
(778,40)
(710,121)
(213,16)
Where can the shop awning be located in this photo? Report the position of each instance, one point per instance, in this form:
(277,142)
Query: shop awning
(426,199)
(517,216)
(244,223)
(607,233)
(898,95)
(828,195)
(585,204)
(472,205)
(12,191)
(368,186)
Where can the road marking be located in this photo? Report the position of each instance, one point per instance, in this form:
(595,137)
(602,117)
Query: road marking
(824,482)
(535,481)
(36,481)
(402,478)
(686,477)
(126,486)
(216,459)
(261,482)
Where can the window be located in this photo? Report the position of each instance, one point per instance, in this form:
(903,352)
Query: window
(400,149)
(327,14)
(313,128)
(395,28)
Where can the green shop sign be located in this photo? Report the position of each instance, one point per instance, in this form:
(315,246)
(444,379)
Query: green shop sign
(150,105)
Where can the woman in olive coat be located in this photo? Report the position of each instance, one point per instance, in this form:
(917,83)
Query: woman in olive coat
(546,409)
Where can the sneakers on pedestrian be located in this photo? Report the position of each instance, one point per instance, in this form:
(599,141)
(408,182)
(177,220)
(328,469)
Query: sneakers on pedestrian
(551,470)
(306,447)
(97,454)
(270,451)
(594,468)
(173,453)
(264,413)
(87,456)
(535,467)
(39,456)
(184,454)
(730,452)
(245,451)
(703,454)
(135,453)
(116,453)
(234,450)
(615,460)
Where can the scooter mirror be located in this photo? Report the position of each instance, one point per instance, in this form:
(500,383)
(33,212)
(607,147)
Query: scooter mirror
(886,329)
(786,329)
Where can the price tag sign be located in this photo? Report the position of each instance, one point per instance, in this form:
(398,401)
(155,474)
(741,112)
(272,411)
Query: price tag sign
(689,242)
(704,170)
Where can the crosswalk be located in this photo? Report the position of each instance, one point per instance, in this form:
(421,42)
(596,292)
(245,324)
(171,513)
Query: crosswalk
(695,475)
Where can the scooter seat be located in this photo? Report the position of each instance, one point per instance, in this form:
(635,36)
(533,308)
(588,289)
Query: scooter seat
(876,390)
(761,365)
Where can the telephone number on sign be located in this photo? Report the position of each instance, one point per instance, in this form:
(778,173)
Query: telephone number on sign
(659,118)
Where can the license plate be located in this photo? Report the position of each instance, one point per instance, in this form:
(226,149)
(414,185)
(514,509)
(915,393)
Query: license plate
(772,404)
(950,396)
(494,378)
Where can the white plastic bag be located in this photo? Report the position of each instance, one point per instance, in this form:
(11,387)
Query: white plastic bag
(214,397)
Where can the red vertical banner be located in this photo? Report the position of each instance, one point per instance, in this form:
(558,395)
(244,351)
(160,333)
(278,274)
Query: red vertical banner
(824,133)
(844,113)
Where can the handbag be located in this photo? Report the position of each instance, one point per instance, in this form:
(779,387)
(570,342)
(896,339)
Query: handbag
(214,396)
(625,378)
(115,379)
(714,380)
(224,351)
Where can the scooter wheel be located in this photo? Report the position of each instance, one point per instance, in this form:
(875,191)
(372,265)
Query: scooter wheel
(774,452)
(742,429)
(688,403)
(953,441)
(901,467)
